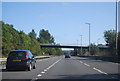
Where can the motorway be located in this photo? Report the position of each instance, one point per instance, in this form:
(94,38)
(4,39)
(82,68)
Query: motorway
(66,68)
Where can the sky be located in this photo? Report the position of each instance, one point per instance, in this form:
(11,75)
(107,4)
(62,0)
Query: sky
(64,20)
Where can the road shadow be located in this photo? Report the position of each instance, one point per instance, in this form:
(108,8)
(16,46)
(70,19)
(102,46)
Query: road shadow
(16,80)
(4,70)
(91,76)
(88,59)
(81,59)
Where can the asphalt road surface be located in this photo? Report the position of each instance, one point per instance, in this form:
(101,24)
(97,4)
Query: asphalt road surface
(66,68)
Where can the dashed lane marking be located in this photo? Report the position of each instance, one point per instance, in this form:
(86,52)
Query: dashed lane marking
(94,68)
(45,69)
(43,72)
(86,64)
(100,71)
(53,64)
(34,79)
(39,75)
(81,62)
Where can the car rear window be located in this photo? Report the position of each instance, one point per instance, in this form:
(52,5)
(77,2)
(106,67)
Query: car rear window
(17,55)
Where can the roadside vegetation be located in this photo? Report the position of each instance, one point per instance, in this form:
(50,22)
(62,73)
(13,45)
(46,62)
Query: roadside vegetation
(108,54)
(13,39)
(110,38)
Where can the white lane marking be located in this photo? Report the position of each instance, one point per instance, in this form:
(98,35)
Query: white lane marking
(43,72)
(53,64)
(86,64)
(39,75)
(114,63)
(81,62)
(45,69)
(34,79)
(94,68)
(99,71)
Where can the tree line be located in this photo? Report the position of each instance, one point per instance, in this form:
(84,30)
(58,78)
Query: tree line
(110,50)
(110,38)
(13,39)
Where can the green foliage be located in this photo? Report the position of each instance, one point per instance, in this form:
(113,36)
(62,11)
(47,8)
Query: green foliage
(0,39)
(25,41)
(18,40)
(46,38)
(35,47)
(32,34)
(59,51)
(93,49)
(110,38)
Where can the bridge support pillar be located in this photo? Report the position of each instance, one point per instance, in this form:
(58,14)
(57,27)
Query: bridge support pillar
(75,51)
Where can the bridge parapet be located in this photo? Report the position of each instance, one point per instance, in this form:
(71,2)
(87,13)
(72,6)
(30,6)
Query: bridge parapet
(68,46)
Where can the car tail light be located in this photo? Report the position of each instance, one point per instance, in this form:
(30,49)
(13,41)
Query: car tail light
(26,55)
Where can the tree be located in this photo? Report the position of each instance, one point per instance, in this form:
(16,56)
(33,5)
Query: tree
(13,39)
(35,47)
(18,40)
(25,41)
(32,34)
(1,38)
(46,36)
(111,40)
(93,49)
